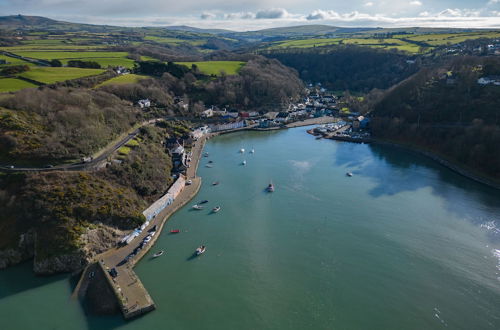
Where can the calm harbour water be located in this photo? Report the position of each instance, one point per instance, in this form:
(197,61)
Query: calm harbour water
(403,244)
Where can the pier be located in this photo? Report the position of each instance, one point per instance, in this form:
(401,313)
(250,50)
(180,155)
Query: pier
(132,297)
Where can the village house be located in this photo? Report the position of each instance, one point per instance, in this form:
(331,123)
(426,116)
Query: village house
(207,113)
(144,103)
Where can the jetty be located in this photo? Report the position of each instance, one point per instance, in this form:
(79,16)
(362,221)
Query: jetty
(116,264)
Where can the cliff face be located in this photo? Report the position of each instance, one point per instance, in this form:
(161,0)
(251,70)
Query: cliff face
(94,241)
(23,251)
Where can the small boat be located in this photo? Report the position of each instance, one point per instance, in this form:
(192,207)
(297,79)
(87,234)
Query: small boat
(242,150)
(215,183)
(209,165)
(319,137)
(270,188)
(216,209)
(348,174)
(244,162)
(197,207)
(203,202)
(175,231)
(200,250)
(210,161)
(157,254)
(205,154)
(189,182)
(252,151)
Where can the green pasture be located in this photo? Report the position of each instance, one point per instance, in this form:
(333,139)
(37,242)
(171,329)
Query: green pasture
(123,79)
(216,67)
(49,75)
(13,84)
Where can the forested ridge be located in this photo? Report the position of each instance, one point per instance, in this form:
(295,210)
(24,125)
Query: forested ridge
(353,68)
(444,110)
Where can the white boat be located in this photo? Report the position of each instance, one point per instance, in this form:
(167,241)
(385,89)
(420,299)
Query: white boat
(209,165)
(270,188)
(252,151)
(197,207)
(348,174)
(157,254)
(216,209)
(244,162)
(242,150)
(200,250)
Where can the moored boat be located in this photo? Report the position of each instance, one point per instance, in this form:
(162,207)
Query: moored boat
(252,151)
(157,254)
(197,207)
(242,150)
(203,202)
(205,154)
(200,250)
(244,162)
(175,231)
(215,183)
(270,187)
(216,209)
(348,174)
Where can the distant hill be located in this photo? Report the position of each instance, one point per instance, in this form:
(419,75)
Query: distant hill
(197,30)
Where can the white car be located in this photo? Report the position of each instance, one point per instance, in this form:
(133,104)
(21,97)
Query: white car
(189,182)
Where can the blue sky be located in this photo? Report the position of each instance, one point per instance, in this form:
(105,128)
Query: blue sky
(257,14)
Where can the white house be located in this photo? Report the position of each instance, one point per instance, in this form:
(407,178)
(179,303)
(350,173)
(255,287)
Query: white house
(207,113)
(145,103)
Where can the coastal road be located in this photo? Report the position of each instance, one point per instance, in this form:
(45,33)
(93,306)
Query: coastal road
(133,295)
(84,166)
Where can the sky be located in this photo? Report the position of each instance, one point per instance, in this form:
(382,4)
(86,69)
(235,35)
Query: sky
(245,15)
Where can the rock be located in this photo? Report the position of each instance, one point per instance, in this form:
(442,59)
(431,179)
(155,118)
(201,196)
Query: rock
(23,251)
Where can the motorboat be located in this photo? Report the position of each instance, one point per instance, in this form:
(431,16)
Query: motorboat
(203,202)
(216,209)
(200,250)
(270,187)
(157,254)
(209,165)
(197,207)
(205,154)
(175,231)
(242,150)
(348,174)
(215,183)
(252,151)
(244,162)
(210,161)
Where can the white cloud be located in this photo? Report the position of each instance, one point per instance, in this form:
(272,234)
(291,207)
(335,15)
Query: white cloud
(416,3)
(208,16)
(450,12)
(368,4)
(493,2)
(322,15)
(272,13)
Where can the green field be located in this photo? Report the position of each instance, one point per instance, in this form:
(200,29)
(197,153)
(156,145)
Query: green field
(175,41)
(12,61)
(105,62)
(105,59)
(451,38)
(50,55)
(216,67)
(49,75)
(369,42)
(306,43)
(13,84)
(123,79)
